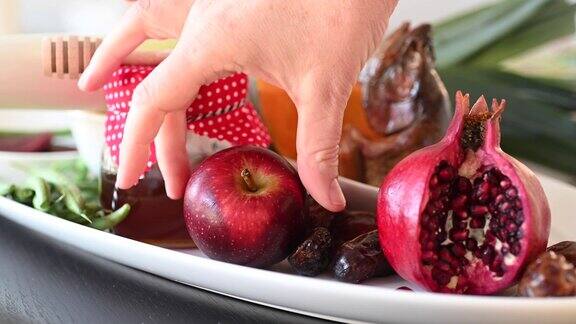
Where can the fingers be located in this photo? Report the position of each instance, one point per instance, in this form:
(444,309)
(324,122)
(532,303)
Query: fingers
(124,39)
(169,88)
(320,116)
(141,127)
(171,153)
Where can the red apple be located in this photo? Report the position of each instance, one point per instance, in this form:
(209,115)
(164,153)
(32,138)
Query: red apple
(245,205)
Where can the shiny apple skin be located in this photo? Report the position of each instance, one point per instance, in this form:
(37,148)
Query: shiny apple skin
(232,224)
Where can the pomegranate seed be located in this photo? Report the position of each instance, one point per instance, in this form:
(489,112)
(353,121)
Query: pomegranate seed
(455,267)
(441,277)
(429,258)
(504,219)
(500,198)
(436,193)
(459,249)
(500,234)
(494,192)
(471,244)
(443,266)
(504,184)
(447,174)
(464,262)
(496,264)
(445,255)
(482,190)
(504,207)
(443,164)
(434,208)
(515,248)
(429,245)
(434,181)
(460,225)
(458,234)
(493,211)
(519,218)
(463,185)
(511,227)
(511,193)
(479,210)
(492,175)
(445,200)
(462,214)
(487,254)
(441,236)
(459,202)
(493,224)
(518,204)
(431,225)
(490,238)
(478,222)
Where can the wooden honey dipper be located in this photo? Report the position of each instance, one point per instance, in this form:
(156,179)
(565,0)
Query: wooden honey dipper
(70,55)
(40,71)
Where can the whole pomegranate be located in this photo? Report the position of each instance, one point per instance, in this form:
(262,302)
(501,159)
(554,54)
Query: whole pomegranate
(462,216)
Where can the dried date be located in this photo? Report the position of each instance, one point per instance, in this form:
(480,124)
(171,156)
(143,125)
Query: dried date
(549,276)
(327,232)
(313,256)
(361,259)
(567,249)
(351,224)
(319,216)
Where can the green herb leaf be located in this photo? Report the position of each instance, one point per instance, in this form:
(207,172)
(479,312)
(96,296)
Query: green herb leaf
(553,21)
(459,38)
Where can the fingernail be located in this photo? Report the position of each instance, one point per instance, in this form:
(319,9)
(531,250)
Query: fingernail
(121,182)
(83,80)
(336,195)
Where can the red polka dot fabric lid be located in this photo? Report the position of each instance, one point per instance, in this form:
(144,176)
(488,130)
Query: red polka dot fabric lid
(220,111)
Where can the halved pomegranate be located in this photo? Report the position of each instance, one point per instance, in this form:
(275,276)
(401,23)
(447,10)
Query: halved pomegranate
(462,216)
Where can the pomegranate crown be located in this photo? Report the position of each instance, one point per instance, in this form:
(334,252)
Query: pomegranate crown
(479,125)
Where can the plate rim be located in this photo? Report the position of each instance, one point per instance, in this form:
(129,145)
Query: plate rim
(35,220)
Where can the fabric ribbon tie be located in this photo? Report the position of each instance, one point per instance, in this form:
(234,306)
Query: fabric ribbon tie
(220,111)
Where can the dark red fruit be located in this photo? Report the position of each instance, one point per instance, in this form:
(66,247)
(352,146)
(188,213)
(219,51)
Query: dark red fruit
(245,205)
(462,216)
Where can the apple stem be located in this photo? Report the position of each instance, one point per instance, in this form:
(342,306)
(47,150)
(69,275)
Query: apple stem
(250,184)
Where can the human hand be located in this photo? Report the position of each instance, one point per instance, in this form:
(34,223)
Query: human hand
(312,49)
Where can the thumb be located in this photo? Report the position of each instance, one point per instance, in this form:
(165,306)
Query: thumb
(320,115)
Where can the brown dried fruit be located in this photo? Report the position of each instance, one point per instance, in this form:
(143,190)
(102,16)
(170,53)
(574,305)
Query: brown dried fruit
(361,259)
(549,276)
(314,254)
(567,249)
(328,231)
(318,216)
(351,224)
(344,225)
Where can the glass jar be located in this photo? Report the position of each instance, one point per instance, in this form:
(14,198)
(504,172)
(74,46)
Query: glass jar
(154,218)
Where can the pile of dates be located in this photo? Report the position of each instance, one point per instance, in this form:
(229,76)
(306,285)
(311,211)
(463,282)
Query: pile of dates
(346,243)
(552,274)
